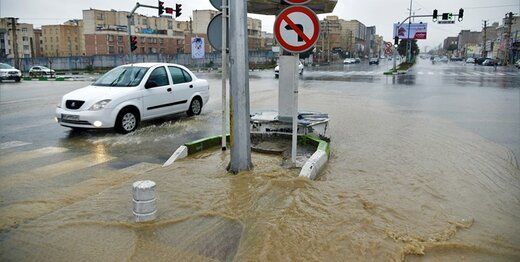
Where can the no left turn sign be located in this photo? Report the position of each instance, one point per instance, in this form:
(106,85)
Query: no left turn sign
(297,29)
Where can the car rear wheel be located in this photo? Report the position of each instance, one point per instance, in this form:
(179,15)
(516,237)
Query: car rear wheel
(127,121)
(195,107)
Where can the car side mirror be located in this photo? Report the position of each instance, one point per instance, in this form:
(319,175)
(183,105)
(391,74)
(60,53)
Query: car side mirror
(150,84)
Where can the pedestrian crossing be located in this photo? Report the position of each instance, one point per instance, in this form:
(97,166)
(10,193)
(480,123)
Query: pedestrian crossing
(26,195)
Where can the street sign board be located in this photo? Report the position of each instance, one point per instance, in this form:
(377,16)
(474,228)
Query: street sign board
(446,22)
(297,29)
(197,48)
(215,33)
(418,31)
(297,2)
(217,4)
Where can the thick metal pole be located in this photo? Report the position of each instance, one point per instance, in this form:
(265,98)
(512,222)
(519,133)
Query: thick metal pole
(130,55)
(409,43)
(224,73)
(239,86)
(294,149)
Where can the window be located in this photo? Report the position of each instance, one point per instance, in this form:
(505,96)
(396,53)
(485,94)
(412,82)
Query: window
(161,41)
(170,25)
(110,49)
(179,76)
(142,49)
(159,77)
(120,49)
(120,39)
(25,38)
(110,38)
(122,76)
(142,40)
(24,30)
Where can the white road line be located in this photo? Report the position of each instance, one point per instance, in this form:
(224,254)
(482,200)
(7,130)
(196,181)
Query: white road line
(54,170)
(513,74)
(17,157)
(430,73)
(13,144)
(420,73)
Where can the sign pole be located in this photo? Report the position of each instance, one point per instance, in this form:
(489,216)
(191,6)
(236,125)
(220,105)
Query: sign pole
(224,73)
(294,150)
(239,87)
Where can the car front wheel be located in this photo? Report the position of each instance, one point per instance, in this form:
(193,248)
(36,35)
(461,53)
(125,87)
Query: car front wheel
(195,107)
(127,121)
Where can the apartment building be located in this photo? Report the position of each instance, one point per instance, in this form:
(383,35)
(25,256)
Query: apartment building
(24,38)
(38,42)
(63,40)
(358,30)
(334,37)
(254,34)
(106,33)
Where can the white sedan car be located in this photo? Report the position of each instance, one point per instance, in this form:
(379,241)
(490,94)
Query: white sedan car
(277,69)
(41,71)
(129,94)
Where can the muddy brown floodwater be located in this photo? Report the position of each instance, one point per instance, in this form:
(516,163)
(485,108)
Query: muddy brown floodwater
(398,187)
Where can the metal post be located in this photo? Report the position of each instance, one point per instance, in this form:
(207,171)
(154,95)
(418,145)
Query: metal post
(224,73)
(294,149)
(409,44)
(14,40)
(239,86)
(394,57)
(130,55)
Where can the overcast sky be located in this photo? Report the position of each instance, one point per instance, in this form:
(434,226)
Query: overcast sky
(381,13)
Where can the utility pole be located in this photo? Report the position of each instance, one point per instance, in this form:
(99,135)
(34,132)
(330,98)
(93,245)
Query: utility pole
(14,40)
(409,43)
(239,87)
(509,21)
(484,51)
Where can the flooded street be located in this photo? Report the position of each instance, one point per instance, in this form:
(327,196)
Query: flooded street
(424,166)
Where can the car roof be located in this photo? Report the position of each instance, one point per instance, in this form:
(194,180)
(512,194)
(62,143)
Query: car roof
(148,65)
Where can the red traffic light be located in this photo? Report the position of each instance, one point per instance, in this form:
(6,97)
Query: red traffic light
(133,43)
(435,15)
(169,10)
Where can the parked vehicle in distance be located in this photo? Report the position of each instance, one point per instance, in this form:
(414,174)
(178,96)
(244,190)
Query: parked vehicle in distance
(470,60)
(480,60)
(456,59)
(373,61)
(358,60)
(8,72)
(37,71)
(349,61)
(489,62)
(444,59)
(517,64)
(129,94)
(277,69)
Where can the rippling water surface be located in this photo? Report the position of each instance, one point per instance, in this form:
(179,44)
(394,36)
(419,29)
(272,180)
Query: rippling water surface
(400,185)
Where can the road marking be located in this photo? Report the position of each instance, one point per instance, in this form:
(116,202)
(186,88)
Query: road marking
(29,155)
(512,74)
(13,144)
(53,170)
(420,73)
(28,209)
(430,73)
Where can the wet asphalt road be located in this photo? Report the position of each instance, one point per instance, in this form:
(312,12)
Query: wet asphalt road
(476,98)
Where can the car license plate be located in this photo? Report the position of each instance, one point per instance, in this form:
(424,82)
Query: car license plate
(69,117)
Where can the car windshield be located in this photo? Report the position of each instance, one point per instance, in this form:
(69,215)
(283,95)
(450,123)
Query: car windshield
(5,66)
(122,76)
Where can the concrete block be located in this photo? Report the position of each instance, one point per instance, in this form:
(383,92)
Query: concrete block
(180,153)
(145,217)
(314,165)
(144,207)
(144,190)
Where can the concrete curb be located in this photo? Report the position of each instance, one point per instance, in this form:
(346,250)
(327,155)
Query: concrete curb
(180,153)
(311,169)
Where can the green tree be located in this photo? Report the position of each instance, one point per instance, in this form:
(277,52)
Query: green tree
(402,47)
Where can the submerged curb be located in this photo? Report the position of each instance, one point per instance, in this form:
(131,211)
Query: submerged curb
(311,169)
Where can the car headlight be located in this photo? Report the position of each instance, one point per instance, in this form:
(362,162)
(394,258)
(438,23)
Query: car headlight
(99,105)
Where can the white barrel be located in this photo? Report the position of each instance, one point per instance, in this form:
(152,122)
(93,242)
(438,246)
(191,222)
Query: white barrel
(144,190)
(144,207)
(145,217)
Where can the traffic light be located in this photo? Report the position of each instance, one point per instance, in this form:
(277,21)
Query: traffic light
(133,43)
(435,15)
(161,8)
(446,16)
(396,41)
(178,9)
(461,14)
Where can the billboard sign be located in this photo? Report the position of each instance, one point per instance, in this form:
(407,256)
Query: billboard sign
(197,48)
(418,31)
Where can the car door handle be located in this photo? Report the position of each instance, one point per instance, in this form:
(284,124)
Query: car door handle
(191,86)
(169,89)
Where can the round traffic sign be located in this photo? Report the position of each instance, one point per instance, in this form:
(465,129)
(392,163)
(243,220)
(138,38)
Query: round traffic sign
(214,33)
(297,2)
(217,4)
(297,29)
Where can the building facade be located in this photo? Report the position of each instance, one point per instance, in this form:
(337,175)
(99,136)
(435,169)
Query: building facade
(22,38)
(106,33)
(61,40)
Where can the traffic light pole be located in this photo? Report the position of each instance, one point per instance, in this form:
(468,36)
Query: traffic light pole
(224,72)
(130,18)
